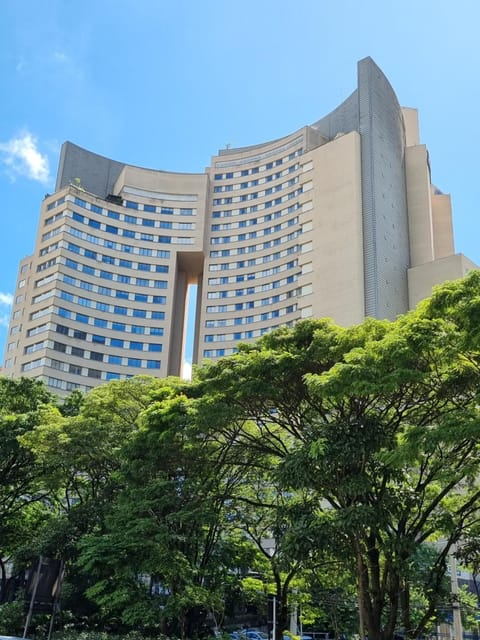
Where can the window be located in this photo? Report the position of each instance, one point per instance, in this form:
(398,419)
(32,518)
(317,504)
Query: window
(61,328)
(96,355)
(118,326)
(156,331)
(155,347)
(131,205)
(93,223)
(138,329)
(136,346)
(76,351)
(149,207)
(158,315)
(80,317)
(114,360)
(94,373)
(122,311)
(141,297)
(74,368)
(59,346)
(153,364)
(148,223)
(100,322)
(139,313)
(79,335)
(134,362)
(115,342)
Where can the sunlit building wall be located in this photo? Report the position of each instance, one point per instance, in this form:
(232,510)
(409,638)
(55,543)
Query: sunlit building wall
(338,219)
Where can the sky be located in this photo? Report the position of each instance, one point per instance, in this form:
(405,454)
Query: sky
(166,84)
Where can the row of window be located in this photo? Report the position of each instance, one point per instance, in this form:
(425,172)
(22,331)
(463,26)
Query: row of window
(115,277)
(104,324)
(109,259)
(224,253)
(260,168)
(254,208)
(109,244)
(110,308)
(254,333)
(136,235)
(241,224)
(257,181)
(242,237)
(261,194)
(260,317)
(251,304)
(129,204)
(253,276)
(252,262)
(267,286)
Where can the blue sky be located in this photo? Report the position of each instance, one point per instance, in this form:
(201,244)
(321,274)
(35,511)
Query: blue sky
(166,84)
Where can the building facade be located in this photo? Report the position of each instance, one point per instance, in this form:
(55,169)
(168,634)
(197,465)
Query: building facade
(338,219)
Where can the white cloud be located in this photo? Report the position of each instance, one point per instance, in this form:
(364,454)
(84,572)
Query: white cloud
(186,371)
(22,157)
(6,299)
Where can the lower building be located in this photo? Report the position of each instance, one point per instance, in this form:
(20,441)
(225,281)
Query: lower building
(338,219)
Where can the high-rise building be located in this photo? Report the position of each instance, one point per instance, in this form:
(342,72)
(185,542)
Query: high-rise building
(338,219)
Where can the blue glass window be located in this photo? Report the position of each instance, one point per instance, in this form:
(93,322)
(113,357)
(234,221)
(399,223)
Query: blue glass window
(111,229)
(147,222)
(161,268)
(149,207)
(141,297)
(125,263)
(134,362)
(108,275)
(155,347)
(131,205)
(98,339)
(153,364)
(136,346)
(156,331)
(93,223)
(116,342)
(122,311)
(138,329)
(130,219)
(113,214)
(158,315)
(78,217)
(114,359)
(118,326)
(80,317)
(128,234)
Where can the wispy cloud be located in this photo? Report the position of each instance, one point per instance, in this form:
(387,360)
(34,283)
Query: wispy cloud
(22,157)
(6,299)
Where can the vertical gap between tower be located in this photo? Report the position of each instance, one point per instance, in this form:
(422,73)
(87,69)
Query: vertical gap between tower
(189,331)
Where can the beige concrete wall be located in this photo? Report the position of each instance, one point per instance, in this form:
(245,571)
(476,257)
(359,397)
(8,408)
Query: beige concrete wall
(336,237)
(410,120)
(423,278)
(419,205)
(442,225)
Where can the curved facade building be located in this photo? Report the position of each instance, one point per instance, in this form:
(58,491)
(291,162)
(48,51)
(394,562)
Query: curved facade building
(338,219)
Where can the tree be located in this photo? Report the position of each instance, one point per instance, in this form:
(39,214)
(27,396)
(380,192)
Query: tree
(21,489)
(381,421)
(164,525)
